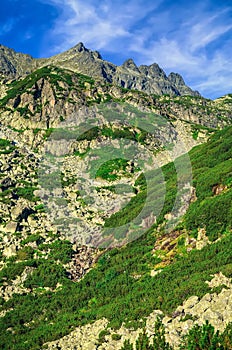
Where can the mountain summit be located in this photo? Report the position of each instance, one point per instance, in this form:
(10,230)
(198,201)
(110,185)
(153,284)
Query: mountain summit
(150,79)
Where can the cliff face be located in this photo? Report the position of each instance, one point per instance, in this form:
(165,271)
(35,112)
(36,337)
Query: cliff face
(150,79)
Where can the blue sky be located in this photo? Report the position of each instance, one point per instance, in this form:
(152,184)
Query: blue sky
(193,38)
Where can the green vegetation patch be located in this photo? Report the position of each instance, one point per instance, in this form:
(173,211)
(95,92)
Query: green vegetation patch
(117,293)
(113,169)
(6,146)
(212,169)
(47,274)
(59,250)
(27,193)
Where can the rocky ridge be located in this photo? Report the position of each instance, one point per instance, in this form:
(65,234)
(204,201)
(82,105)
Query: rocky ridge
(150,79)
(50,95)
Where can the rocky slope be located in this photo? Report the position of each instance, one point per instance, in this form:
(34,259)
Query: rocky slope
(44,111)
(216,308)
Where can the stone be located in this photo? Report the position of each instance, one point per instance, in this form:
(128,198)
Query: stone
(207,297)
(200,307)
(187,325)
(190,302)
(11,227)
(155,272)
(218,280)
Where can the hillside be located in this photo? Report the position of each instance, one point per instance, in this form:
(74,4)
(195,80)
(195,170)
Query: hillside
(115,205)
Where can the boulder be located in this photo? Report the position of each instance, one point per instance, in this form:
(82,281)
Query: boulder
(190,302)
(11,227)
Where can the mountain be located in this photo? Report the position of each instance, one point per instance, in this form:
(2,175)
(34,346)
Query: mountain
(14,64)
(115,207)
(150,79)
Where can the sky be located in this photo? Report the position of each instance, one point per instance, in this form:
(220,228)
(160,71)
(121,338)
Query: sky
(192,38)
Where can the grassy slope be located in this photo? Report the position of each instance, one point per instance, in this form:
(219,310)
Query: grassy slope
(111,289)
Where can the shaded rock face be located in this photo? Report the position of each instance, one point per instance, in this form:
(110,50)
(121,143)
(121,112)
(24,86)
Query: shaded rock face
(150,79)
(177,80)
(14,64)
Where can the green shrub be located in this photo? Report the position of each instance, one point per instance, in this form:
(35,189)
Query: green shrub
(47,274)
(27,193)
(108,170)
(202,338)
(116,336)
(6,146)
(33,238)
(25,253)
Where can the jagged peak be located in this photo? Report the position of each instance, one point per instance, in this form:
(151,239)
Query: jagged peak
(176,78)
(154,67)
(80,47)
(153,70)
(129,63)
(148,78)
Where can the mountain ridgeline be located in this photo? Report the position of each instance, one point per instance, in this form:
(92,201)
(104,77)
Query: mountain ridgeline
(150,79)
(115,207)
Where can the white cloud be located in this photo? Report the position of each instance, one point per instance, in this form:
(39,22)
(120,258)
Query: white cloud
(207,28)
(106,26)
(98,26)
(187,40)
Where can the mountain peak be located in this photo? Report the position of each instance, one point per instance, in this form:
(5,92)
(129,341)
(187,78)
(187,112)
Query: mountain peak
(176,78)
(129,63)
(80,47)
(178,81)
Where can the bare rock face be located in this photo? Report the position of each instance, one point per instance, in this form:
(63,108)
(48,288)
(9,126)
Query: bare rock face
(151,79)
(14,64)
(178,81)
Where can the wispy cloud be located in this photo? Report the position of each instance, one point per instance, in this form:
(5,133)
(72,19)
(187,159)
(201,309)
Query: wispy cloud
(98,26)
(194,41)
(201,51)
(7,26)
